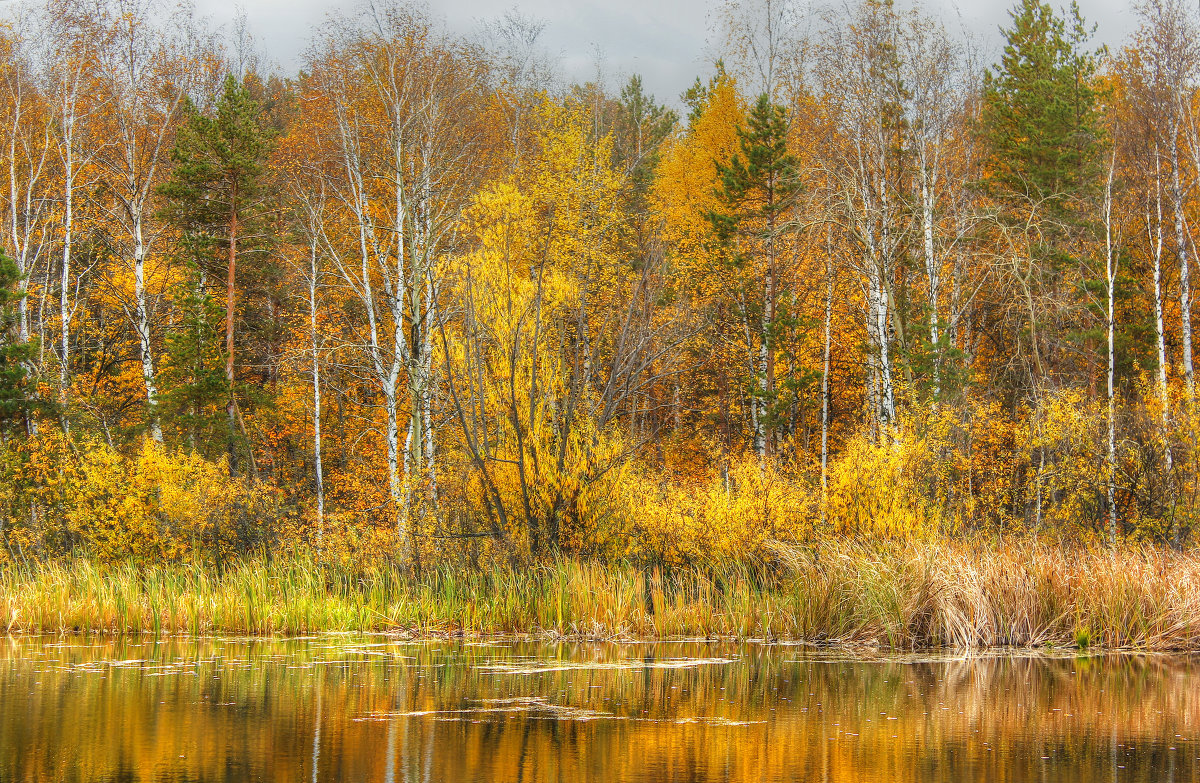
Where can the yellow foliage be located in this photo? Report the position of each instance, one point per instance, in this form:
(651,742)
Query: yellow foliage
(725,518)
(153,505)
(872,492)
(951,468)
(544,263)
(683,194)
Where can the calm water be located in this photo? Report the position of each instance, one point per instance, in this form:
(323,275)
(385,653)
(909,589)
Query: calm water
(353,709)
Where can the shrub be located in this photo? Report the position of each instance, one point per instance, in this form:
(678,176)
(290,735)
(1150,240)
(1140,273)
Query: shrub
(154,504)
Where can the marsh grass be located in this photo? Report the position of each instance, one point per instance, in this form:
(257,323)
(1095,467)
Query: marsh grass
(898,596)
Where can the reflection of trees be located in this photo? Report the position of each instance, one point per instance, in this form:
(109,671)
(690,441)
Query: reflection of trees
(207,709)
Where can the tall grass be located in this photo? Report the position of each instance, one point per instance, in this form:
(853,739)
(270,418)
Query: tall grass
(910,596)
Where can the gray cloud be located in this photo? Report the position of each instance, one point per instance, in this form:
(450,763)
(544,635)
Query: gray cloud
(667,41)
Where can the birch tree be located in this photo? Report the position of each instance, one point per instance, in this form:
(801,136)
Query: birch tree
(1111,242)
(858,73)
(402,95)
(309,200)
(76,108)
(1168,46)
(27,143)
(930,70)
(147,65)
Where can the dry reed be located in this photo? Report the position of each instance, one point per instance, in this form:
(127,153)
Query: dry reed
(917,595)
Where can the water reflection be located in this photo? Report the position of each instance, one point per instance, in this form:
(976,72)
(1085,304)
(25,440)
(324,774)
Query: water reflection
(355,709)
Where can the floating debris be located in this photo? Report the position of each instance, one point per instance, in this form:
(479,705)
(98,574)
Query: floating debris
(622,665)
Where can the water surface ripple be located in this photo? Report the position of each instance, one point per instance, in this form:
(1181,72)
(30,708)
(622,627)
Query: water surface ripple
(336,708)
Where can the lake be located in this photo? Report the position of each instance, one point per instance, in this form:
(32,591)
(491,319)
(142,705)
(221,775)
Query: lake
(341,708)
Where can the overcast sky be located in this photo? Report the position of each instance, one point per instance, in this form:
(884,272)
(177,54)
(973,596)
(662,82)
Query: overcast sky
(669,42)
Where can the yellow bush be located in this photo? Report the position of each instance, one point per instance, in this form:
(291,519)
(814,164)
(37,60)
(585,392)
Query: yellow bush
(153,505)
(872,491)
(949,468)
(725,517)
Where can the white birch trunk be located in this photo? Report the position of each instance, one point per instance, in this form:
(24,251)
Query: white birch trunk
(14,201)
(316,385)
(64,307)
(878,313)
(756,423)
(386,369)
(884,271)
(25,210)
(933,275)
(1159,325)
(427,397)
(1111,275)
(143,329)
(145,68)
(394,175)
(398,483)
(27,165)
(825,387)
(1185,292)
(764,360)
(400,347)
(65,282)
(1164,399)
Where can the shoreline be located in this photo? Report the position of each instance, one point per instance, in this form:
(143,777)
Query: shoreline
(914,596)
(821,652)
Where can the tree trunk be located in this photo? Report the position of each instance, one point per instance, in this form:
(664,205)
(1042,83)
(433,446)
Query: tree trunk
(766,369)
(20,228)
(880,313)
(1185,292)
(143,328)
(756,418)
(825,385)
(401,485)
(316,381)
(230,305)
(64,304)
(427,398)
(933,274)
(1111,273)
(1160,342)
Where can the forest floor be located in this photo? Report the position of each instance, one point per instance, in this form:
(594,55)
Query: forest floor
(911,595)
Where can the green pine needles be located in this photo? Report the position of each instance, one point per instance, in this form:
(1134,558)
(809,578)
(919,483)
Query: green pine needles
(1041,118)
(14,354)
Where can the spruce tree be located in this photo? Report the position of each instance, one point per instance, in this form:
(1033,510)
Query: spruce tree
(216,197)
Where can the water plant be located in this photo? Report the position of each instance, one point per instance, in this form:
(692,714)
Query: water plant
(938,594)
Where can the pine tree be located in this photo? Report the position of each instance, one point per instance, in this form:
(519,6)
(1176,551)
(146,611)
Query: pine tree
(757,188)
(14,354)
(1040,113)
(641,126)
(1044,144)
(760,183)
(216,197)
(195,377)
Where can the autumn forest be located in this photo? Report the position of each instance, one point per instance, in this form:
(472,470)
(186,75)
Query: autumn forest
(424,303)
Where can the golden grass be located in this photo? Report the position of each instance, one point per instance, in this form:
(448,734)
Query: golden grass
(913,595)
